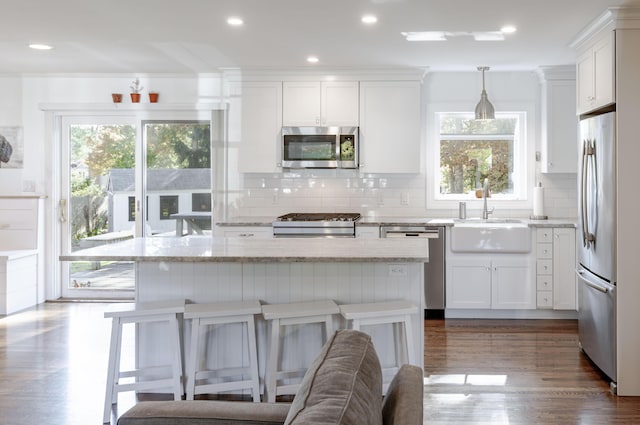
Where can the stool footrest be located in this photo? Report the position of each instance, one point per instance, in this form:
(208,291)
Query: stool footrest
(146,385)
(223,386)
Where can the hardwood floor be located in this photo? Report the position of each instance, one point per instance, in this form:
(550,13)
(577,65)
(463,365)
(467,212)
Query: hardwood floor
(515,372)
(53,367)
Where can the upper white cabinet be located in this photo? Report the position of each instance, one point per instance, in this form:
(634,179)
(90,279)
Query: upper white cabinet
(328,103)
(595,73)
(559,121)
(258,107)
(390,126)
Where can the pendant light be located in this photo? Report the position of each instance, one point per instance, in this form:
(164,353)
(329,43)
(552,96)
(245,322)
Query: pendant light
(484,109)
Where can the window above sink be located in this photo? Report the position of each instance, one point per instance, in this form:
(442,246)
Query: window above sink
(465,151)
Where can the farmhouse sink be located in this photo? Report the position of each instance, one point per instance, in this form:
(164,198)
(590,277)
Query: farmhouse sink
(492,235)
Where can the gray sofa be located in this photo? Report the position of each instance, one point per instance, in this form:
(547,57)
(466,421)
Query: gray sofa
(342,386)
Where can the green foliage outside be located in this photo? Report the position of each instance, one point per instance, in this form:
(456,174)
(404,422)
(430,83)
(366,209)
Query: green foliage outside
(178,145)
(487,153)
(97,149)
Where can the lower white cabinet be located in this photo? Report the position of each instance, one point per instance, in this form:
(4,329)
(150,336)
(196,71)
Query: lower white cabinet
(555,268)
(490,282)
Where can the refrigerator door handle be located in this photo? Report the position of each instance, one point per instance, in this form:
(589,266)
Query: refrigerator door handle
(593,285)
(583,194)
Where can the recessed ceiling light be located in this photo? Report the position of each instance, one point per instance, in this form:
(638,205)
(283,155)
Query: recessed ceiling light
(425,36)
(312,59)
(447,35)
(488,36)
(40,46)
(508,29)
(235,21)
(369,19)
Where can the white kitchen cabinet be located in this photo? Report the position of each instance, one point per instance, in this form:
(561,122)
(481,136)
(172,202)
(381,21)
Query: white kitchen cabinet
(555,268)
(595,73)
(564,266)
(367,231)
(468,283)
(559,121)
(490,282)
(390,126)
(511,284)
(327,103)
(258,107)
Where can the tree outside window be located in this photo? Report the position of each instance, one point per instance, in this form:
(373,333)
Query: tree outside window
(471,150)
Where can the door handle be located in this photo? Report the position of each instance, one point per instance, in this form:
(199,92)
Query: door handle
(597,287)
(62,210)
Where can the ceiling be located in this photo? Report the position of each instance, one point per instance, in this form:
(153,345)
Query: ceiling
(192,36)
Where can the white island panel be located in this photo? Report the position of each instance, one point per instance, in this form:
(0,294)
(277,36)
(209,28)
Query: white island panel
(345,283)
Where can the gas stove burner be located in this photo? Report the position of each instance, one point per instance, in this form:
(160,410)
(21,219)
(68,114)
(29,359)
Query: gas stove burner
(319,217)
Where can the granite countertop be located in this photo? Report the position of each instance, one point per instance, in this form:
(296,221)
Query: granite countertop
(401,221)
(245,250)
(425,221)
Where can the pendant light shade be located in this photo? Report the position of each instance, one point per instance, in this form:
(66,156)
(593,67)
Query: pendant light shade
(484,108)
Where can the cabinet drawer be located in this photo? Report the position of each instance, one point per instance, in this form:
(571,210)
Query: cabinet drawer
(544,299)
(544,250)
(544,267)
(544,282)
(544,235)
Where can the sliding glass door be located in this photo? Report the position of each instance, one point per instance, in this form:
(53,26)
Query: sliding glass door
(108,166)
(177,178)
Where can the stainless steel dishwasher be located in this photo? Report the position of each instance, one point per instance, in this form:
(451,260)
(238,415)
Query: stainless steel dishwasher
(433,270)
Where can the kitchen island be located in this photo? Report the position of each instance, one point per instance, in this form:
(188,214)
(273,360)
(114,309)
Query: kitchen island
(203,269)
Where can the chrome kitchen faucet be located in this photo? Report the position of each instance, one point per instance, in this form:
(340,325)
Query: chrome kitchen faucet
(485,191)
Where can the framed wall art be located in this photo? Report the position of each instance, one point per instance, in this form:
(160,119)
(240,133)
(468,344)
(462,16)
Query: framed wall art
(11,147)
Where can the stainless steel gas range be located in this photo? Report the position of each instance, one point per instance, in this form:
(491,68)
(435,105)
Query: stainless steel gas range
(305,225)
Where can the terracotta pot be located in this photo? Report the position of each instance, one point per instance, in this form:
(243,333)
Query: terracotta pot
(135,97)
(153,97)
(117,97)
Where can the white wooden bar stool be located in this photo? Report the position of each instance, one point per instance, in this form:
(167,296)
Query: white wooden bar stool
(198,375)
(280,315)
(396,313)
(121,314)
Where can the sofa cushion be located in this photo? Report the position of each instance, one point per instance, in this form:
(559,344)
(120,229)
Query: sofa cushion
(403,402)
(205,412)
(342,386)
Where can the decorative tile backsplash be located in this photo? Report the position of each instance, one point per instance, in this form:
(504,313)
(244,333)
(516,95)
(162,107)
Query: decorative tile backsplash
(396,195)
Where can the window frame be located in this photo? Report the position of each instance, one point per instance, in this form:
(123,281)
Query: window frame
(524,166)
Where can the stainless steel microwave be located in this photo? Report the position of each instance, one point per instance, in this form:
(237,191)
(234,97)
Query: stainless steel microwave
(320,147)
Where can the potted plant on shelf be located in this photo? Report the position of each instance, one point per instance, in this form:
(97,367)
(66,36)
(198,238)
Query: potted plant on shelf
(153,96)
(135,91)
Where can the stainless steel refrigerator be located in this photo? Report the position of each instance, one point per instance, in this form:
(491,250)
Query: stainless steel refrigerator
(597,241)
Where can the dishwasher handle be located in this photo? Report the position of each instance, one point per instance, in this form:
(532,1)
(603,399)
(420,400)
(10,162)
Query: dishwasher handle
(409,234)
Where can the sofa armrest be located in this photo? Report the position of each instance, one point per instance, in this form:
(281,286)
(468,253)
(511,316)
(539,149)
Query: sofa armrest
(403,403)
(200,412)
